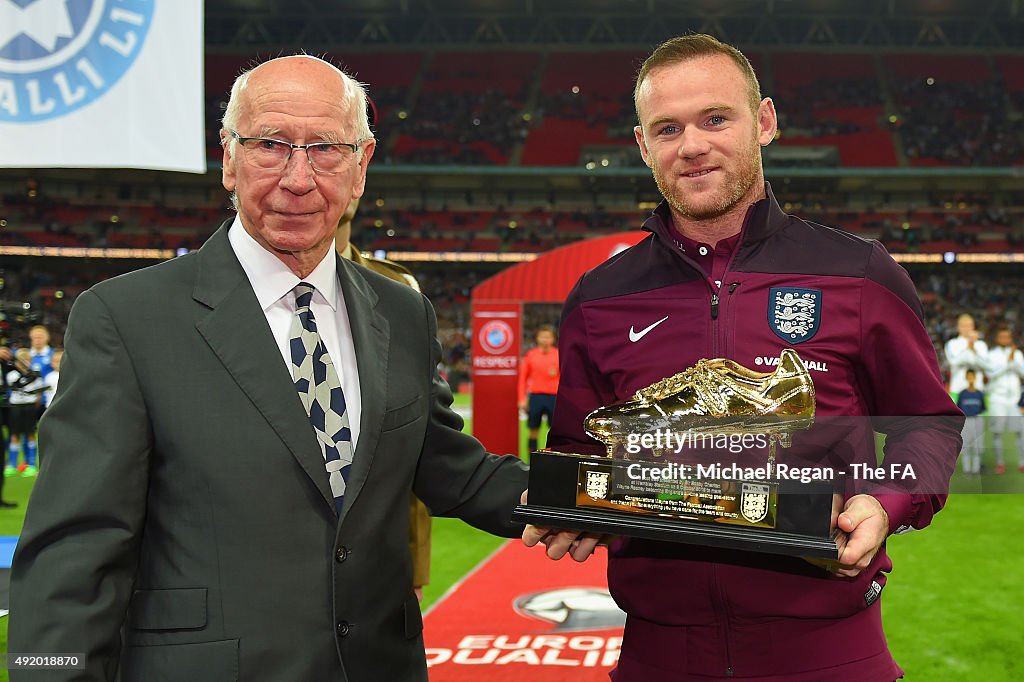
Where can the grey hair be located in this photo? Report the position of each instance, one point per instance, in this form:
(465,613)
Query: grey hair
(355,96)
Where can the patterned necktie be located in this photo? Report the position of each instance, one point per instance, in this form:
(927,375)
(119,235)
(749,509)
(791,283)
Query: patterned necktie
(319,388)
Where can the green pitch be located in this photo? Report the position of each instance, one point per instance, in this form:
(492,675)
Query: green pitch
(952,604)
(951,607)
(16,489)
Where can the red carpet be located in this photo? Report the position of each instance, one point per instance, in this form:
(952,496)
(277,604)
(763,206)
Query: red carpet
(521,617)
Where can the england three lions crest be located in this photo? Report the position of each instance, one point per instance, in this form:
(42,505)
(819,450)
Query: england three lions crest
(597,484)
(754,501)
(794,314)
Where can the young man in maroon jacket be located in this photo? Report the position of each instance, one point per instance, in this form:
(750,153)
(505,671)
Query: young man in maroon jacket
(708,283)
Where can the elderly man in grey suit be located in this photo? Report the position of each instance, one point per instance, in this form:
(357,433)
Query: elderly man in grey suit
(228,461)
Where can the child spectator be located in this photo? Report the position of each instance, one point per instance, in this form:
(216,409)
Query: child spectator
(972,402)
(42,353)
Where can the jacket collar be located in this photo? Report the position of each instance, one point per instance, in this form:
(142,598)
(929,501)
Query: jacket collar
(763,218)
(219,270)
(371,337)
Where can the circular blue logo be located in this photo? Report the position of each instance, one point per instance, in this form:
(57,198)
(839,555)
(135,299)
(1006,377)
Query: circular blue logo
(496,337)
(56,56)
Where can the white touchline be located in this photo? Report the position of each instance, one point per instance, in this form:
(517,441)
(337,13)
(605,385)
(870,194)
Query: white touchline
(635,336)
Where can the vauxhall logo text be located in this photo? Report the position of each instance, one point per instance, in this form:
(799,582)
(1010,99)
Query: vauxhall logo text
(772,361)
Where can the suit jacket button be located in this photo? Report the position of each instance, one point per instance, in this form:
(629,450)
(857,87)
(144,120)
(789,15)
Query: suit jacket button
(344,628)
(341,554)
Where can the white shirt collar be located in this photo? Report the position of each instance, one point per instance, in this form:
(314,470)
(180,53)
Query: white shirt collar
(271,279)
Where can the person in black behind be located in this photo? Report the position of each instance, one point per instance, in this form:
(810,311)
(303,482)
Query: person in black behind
(25,396)
(6,364)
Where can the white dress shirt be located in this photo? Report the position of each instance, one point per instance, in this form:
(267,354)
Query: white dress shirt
(273,283)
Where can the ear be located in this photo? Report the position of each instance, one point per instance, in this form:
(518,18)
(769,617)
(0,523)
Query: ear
(638,133)
(767,121)
(364,162)
(227,177)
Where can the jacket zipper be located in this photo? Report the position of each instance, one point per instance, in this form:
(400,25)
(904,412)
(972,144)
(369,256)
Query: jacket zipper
(716,305)
(715,300)
(722,608)
(720,597)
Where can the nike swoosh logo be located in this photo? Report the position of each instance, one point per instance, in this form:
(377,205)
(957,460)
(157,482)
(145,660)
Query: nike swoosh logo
(635,336)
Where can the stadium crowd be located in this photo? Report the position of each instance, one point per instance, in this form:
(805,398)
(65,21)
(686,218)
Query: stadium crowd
(35,294)
(453,121)
(815,116)
(976,223)
(981,113)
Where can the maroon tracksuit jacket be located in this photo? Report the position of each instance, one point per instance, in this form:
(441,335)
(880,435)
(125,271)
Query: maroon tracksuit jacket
(698,612)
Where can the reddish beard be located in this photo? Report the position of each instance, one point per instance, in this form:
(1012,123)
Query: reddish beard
(735,186)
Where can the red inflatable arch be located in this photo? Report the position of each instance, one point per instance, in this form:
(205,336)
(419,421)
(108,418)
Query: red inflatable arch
(497,309)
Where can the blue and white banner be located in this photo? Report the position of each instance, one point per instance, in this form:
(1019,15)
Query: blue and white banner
(102,83)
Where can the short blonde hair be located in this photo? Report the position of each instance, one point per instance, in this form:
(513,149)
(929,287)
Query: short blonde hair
(694,46)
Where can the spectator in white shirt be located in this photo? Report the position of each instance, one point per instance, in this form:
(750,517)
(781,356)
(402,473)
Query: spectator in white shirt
(963,352)
(1004,365)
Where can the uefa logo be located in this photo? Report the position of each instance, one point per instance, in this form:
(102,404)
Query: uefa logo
(496,337)
(573,608)
(57,56)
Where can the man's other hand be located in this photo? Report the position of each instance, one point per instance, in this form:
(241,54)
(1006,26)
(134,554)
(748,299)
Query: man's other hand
(558,543)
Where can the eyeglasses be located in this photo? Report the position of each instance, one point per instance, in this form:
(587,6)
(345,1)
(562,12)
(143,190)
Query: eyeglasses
(326,158)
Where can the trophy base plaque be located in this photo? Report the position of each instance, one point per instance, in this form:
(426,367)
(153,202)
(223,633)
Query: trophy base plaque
(670,502)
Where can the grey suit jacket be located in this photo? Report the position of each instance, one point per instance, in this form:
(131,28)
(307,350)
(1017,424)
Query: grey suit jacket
(182,527)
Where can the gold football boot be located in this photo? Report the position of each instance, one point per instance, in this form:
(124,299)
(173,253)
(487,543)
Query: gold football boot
(716,396)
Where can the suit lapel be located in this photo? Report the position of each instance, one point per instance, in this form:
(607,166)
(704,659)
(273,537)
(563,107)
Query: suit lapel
(371,338)
(236,330)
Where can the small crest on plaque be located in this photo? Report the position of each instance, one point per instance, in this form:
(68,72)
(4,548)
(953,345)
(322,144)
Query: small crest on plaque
(597,484)
(754,501)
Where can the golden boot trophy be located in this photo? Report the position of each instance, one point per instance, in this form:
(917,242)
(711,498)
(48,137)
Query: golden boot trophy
(691,458)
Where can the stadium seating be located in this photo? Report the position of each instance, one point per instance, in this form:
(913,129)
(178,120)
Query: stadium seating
(952,111)
(833,99)
(583,100)
(566,108)
(975,226)
(469,108)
